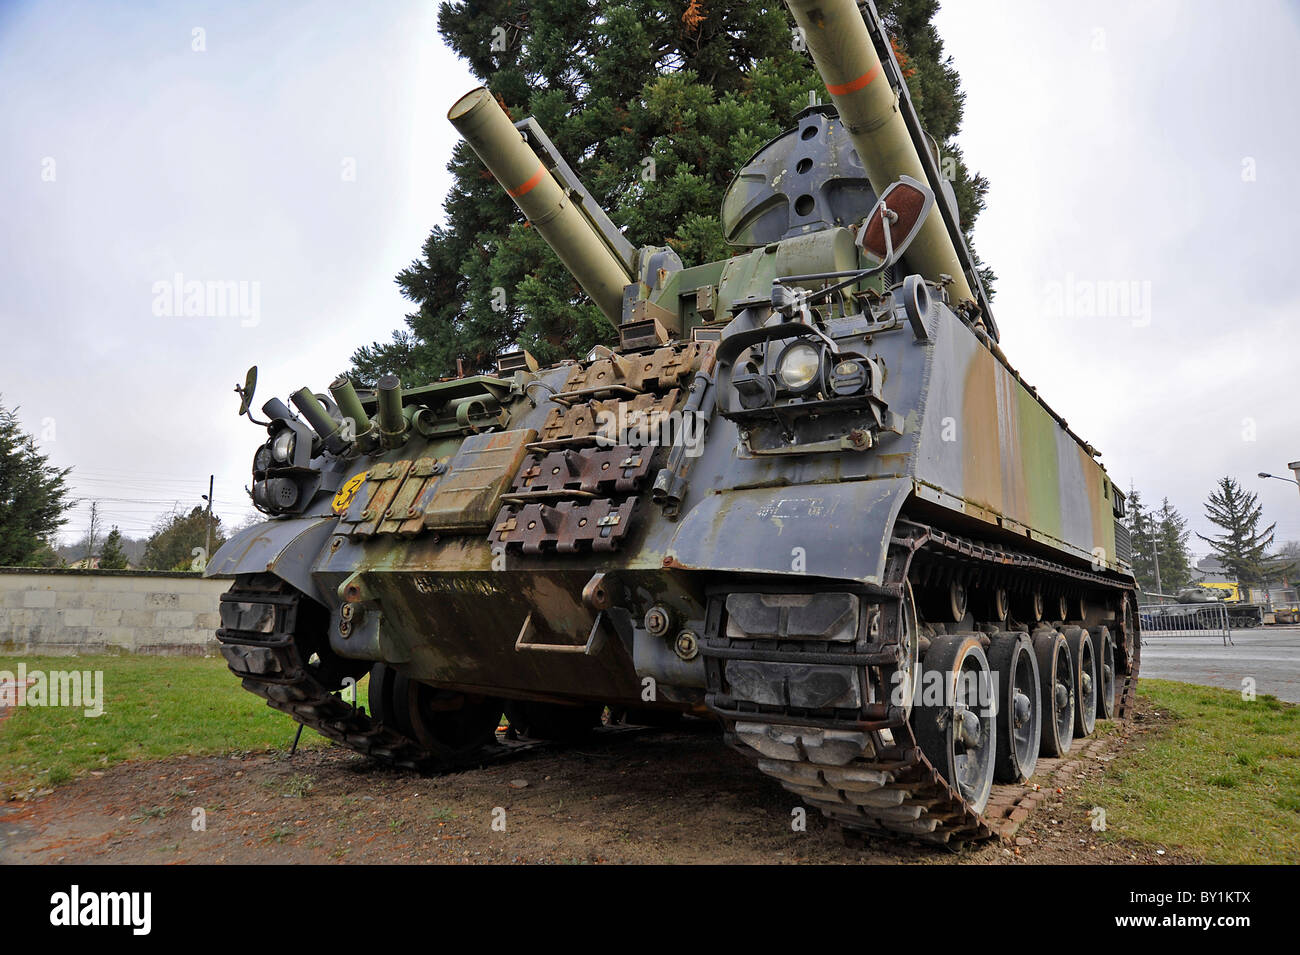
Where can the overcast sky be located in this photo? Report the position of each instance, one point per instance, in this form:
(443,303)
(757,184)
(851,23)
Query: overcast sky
(298,151)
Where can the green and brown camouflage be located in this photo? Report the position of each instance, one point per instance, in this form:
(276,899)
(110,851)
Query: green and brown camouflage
(773,440)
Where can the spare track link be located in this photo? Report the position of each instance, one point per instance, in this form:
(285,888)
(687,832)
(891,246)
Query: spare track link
(871,776)
(270,663)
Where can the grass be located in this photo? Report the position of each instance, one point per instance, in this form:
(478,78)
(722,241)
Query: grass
(1221,783)
(154,707)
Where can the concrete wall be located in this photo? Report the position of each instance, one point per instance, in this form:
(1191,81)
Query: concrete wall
(105,611)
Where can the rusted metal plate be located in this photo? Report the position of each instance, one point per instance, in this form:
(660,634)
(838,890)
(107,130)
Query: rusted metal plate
(468,496)
(606,418)
(407,506)
(375,496)
(618,470)
(664,368)
(563,528)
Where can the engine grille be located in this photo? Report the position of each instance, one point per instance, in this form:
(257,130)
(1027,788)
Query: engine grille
(1123,543)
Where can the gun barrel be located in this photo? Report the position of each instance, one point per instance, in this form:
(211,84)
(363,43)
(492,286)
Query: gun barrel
(845,57)
(392,421)
(345,396)
(486,127)
(315,413)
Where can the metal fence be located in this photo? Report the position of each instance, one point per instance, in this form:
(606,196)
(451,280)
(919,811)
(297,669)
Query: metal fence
(1186,620)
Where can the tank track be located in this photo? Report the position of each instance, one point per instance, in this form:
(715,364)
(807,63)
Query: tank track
(262,649)
(871,775)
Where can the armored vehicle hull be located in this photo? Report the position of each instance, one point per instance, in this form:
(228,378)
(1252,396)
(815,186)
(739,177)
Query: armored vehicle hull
(799,497)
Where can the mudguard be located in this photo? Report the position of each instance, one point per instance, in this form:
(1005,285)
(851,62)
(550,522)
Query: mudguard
(287,548)
(821,530)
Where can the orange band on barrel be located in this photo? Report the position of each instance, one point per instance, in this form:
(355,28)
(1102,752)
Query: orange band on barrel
(853,86)
(537,177)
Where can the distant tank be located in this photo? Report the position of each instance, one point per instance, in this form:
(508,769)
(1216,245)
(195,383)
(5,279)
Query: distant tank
(1201,608)
(804,495)
(1241,614)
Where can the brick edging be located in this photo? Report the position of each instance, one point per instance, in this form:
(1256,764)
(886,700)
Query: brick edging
(1011,803)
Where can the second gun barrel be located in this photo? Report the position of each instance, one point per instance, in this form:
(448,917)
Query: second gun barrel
(503,149)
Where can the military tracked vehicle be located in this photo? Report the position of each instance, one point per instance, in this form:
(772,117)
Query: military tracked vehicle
(803,494)
(1202,608)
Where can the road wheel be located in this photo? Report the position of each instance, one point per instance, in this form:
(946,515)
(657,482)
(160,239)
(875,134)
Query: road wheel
(1084,659)
(1104,645)
(1056,685)
(1019,717)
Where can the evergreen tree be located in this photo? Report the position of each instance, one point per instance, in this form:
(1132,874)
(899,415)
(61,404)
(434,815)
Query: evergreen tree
(172,545)
(1243,545)
(33,495)
(1172,536)
(686,90)
(1143,537)
(111,556)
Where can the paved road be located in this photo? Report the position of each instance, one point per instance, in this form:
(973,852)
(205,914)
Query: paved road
(1271,656)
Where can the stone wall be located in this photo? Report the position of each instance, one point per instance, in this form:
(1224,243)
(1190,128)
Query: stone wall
(106,611)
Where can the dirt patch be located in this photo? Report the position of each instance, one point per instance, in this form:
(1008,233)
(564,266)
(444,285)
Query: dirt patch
(645,797)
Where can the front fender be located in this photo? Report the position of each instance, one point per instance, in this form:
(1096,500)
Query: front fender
(287,548)
(822,530)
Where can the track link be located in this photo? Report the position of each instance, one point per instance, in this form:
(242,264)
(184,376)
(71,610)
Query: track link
(870,775)
(260,619)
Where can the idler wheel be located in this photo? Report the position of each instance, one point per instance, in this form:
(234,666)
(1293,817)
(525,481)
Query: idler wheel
(450,725)
(1085,680)
(953,716)
(1107,700)
(1056,686)
(1019,716)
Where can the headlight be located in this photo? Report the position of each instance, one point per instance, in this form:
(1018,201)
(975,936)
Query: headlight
(282,446)
(848,378)
(262,459)
(799,366)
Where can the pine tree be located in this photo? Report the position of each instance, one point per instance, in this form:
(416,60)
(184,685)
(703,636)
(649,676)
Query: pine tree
(694,87)
(33,495)
(111,556)
(1143,540)
(1243,545)
(1172,536)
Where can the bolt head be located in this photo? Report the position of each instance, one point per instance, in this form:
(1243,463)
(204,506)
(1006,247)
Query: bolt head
(657,621)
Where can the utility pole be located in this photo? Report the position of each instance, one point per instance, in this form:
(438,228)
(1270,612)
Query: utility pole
(90,534)
(1155,555)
